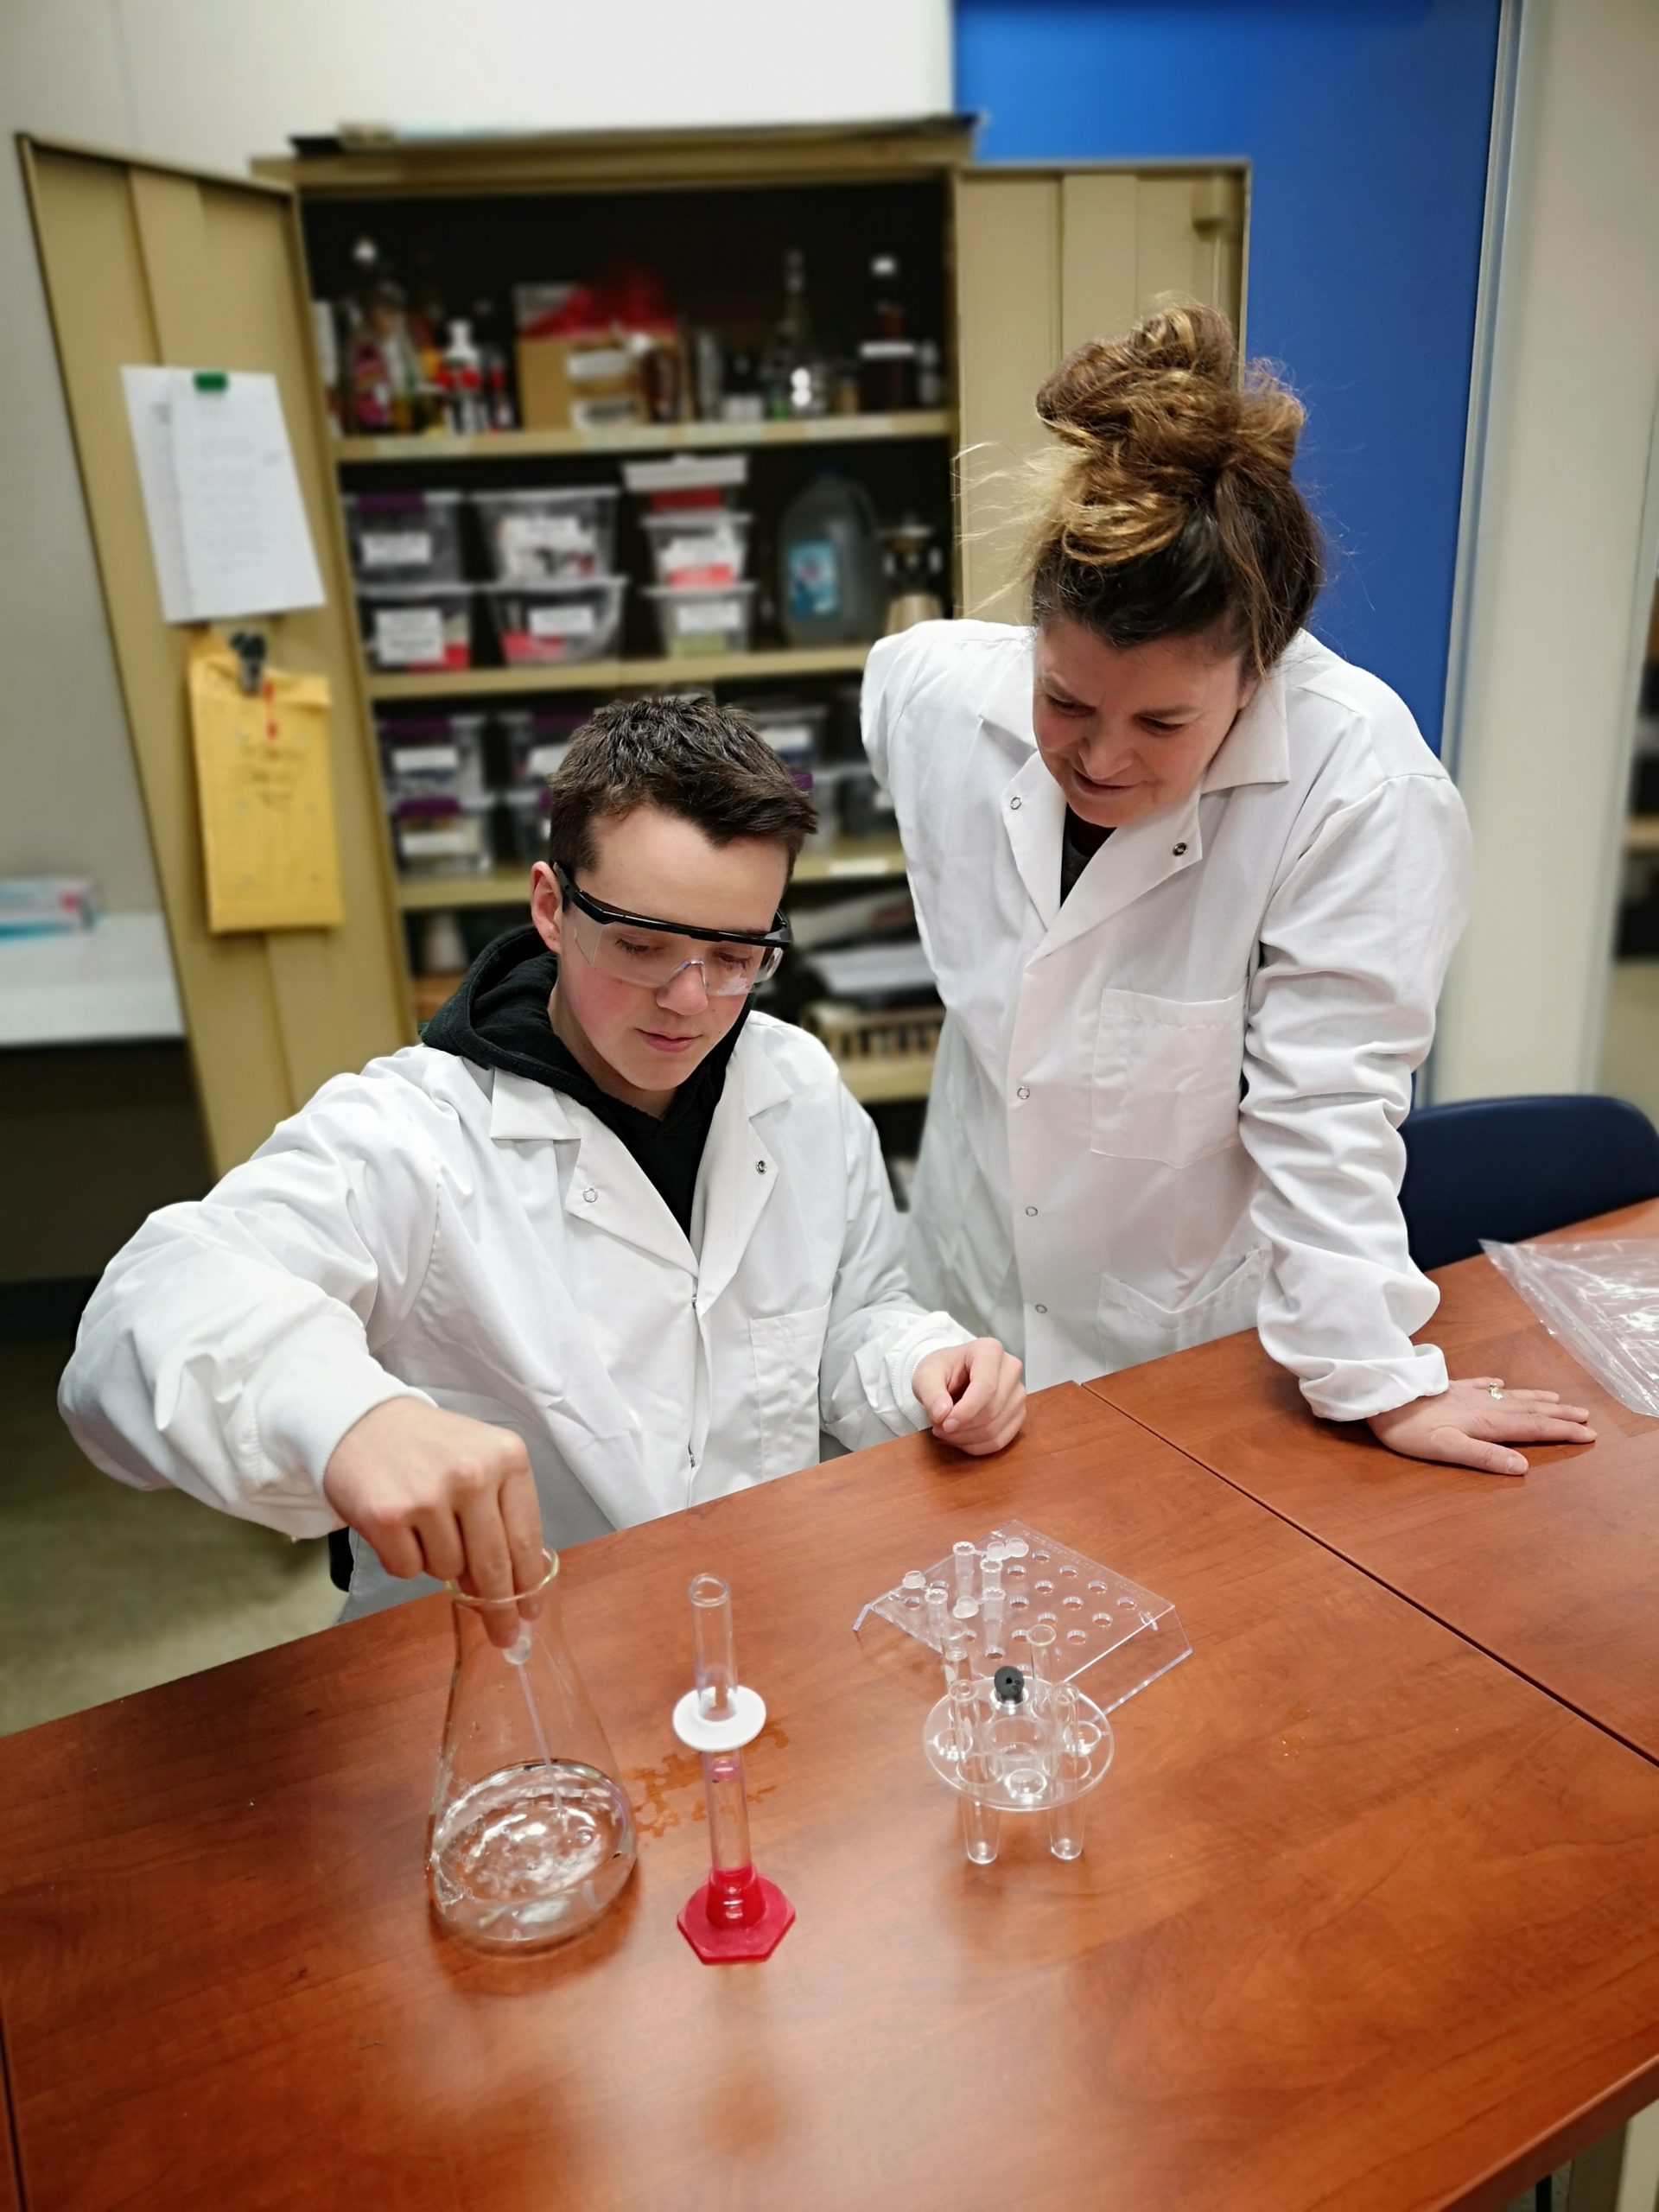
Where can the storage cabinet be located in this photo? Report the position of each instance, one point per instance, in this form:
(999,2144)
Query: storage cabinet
(1003,269)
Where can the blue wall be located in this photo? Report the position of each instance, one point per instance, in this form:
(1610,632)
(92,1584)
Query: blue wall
(1366,124)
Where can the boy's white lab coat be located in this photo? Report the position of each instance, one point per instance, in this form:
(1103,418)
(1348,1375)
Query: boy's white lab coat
(1169,1109)
(434,1228)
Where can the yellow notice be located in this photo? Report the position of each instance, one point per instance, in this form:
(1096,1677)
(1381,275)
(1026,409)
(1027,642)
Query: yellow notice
(270,857)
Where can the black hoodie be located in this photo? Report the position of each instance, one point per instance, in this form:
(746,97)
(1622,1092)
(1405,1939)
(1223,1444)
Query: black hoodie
(498,1018)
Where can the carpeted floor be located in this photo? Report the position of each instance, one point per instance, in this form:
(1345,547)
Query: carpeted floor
(105,1589)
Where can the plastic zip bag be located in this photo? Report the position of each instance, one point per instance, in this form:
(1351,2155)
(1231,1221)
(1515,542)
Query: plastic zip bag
(1602,1299)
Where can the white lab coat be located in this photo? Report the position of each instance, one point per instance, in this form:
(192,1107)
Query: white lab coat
(1170,1108)
(437,1229)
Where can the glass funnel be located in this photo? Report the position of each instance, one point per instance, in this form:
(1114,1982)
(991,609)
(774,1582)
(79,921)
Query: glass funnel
(531,1835)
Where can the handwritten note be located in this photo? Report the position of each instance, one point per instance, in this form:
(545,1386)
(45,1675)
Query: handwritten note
(227,523)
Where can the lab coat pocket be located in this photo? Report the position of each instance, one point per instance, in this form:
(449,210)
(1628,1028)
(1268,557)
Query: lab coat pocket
(1166,1077)
(1134,1327)
(788,1353)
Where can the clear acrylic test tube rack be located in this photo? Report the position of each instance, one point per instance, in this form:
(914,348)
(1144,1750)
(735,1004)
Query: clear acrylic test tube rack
(1121,1636)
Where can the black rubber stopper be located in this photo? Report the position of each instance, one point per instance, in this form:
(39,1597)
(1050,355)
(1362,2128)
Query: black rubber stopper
(1009,1684)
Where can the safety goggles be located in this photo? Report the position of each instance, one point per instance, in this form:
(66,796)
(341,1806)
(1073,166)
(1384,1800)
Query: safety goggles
(639,949)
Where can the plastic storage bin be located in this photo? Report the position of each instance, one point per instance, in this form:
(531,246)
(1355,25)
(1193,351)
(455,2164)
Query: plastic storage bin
(526,813)
(795,728)
(554,533)
(699,545)
(439,755)
(417,627)
(702,618)
(567,619)
(536,745)
(437,835)
(404,536)
(866,810)
(688,481)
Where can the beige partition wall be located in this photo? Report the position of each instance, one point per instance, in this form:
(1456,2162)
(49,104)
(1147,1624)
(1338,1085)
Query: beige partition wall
(145,264)
(1046,259)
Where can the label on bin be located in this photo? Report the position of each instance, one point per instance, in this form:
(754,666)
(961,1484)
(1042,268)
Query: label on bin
(409,637)
(437,844)
(410,759)
(579,620)
(395,549)
(547,760)
(709,615)
(790,737)
(545,534)
(705,556)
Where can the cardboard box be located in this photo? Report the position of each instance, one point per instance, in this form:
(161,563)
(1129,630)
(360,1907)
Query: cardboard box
(578,383)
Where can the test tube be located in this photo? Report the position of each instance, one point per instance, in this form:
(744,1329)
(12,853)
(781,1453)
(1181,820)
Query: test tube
(1059,1706)
(980,1822)
(938,1619)
(990,1573)
(965,1613)
(966,1558)
(912,1591)
(991,1607)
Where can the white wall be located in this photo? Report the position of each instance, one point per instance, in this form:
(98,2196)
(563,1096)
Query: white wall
(1563,563)
(215,82)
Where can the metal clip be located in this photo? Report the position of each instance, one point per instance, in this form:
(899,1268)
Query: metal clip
(249,649)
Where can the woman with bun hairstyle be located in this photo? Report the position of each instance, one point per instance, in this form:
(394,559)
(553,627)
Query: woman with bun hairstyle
(1189,883)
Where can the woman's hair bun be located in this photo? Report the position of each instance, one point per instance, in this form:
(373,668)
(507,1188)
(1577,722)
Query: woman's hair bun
(1093,388)
(1163,439)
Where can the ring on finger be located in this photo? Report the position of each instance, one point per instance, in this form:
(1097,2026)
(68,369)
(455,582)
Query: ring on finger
(1495,1389)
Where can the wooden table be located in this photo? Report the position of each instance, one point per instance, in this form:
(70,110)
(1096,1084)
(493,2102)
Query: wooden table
(1363,1920)
(1552,1571)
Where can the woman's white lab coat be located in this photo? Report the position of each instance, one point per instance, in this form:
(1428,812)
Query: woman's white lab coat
(433,1228)
(1170,1108)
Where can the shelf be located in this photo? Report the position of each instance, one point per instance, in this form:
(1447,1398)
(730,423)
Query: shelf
(878,1081)
(648,437)
(615,675)
(502,887)
(1642,834)
(853,860)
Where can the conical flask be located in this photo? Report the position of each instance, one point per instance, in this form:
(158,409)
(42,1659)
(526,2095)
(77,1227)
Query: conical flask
(532,1834)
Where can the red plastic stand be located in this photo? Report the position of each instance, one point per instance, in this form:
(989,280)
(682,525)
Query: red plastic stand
(735,1914)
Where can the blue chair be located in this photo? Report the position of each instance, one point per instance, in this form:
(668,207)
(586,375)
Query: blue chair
(1510,1168)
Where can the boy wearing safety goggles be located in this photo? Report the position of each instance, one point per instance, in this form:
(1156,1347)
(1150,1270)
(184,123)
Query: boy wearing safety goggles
(607,1244)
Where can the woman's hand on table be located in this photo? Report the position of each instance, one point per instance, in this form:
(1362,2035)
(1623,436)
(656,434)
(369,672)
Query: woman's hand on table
(972,1395)
(1478,1423)
(438,1494)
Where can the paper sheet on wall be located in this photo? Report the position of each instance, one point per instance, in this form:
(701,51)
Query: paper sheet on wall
(270,856)
(226,519)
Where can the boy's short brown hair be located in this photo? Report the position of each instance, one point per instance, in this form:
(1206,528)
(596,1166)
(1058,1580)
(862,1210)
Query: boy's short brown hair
(688,756)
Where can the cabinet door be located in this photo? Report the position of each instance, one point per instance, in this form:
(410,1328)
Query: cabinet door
(1046,259)
(146,264)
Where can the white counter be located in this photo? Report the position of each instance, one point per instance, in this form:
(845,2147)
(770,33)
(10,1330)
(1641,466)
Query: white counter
(107,985)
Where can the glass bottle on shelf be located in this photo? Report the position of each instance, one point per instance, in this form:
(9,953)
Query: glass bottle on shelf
(530,1835)
(741,399)
(886,357)
(798,377)
(368,385)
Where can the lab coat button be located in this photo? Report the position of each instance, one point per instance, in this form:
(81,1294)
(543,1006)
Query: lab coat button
(1180,849)
(760,1166)
(1024,1091)
(589,1195)
(1031,1210)
(1014,806)
(1039,1309)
